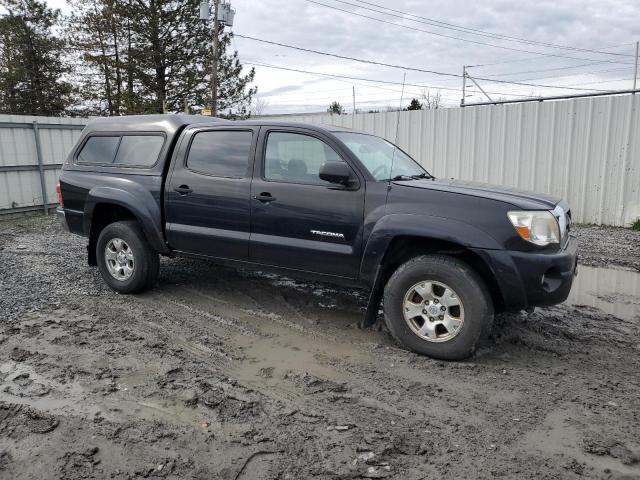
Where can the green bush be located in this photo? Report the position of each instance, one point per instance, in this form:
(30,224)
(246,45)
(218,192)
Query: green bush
(636,225)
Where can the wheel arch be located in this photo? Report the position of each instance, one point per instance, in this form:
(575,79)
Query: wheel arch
(405,247)
(106,205)
(397,238)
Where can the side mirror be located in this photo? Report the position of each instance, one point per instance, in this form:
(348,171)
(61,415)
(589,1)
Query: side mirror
(335,172)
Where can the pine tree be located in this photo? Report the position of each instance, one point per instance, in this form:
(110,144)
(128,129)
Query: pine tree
(96,36)
(415,105)
(336,108)
(31,68)
(153,56)
(234,93)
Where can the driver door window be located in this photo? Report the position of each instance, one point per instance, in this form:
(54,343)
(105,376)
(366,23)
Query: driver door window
(296,158)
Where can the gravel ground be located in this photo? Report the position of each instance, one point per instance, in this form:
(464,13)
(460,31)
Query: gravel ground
(607,246)
(235,375)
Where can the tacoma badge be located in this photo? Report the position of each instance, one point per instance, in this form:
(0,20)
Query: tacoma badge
(328,234)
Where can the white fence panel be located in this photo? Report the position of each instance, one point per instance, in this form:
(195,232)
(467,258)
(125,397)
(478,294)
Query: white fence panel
(586,150)
(20,173)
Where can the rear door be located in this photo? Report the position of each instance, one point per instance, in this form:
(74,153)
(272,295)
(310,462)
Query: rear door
(208,193)
(299,221)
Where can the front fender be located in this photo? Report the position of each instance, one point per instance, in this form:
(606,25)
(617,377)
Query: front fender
(428,226)
(135,198)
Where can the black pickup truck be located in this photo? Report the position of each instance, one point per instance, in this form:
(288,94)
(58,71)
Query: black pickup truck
(323,202)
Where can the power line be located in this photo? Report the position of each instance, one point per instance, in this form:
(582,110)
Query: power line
(339,78)
(347,97)
(552,77)
(477,42)
(401,67)
(340,95)
(441,24)
(611,80)
(533,59)
(269,94)
(506,74)
(387,82)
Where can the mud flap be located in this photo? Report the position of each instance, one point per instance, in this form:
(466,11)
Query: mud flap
(91,255)
(373,305)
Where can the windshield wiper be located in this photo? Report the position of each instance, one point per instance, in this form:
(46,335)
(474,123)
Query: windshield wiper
(401,178)
(422,175)
(404,178)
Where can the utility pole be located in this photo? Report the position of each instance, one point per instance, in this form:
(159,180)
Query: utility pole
(214,63)
(464,84)
(354,99)
(635,68)
(226,13)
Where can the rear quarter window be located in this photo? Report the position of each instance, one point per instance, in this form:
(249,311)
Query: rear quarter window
(122,150)
(139,150)
(99,150)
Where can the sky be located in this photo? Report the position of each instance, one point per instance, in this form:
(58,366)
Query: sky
(579,45)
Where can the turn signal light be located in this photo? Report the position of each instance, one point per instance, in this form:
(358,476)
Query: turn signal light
(59,193)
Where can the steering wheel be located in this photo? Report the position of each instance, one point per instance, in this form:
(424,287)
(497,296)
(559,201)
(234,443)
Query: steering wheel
(377,170)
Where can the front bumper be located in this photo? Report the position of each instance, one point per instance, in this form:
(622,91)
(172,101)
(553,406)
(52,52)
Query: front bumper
(529,279)
(62,218)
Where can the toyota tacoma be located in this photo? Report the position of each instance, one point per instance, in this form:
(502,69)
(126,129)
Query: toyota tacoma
(440,256)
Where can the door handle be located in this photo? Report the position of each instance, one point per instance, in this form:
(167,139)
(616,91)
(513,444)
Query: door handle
(264,197)
(183,189)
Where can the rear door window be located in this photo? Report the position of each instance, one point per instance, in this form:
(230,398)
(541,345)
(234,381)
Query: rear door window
(139,150)
(221,153)
(99,150)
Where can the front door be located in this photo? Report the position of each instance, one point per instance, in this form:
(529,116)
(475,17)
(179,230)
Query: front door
(299,221)
(208,194)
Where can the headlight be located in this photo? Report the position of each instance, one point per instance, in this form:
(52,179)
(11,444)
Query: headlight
(539,227)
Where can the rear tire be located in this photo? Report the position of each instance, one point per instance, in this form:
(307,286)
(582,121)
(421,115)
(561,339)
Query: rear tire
(126,261)
(438,306)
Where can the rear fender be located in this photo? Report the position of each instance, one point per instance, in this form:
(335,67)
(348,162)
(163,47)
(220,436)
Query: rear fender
(139,201)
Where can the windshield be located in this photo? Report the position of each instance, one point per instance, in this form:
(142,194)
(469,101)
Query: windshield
(377,155)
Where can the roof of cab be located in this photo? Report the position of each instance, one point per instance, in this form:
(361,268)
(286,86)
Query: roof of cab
(149,123)
(171,123)
(286,124)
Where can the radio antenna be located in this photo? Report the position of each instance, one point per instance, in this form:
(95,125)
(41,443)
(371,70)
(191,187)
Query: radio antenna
(393,155)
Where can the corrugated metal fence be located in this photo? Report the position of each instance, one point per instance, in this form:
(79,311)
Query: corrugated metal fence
(32,150)
(586,150)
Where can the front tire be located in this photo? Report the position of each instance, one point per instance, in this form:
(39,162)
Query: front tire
(126,261)
(438,306)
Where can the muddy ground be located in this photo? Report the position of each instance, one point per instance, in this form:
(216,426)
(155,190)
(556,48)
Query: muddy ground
(238,375)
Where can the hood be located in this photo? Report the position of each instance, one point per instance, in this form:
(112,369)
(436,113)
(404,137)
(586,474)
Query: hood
(520,198)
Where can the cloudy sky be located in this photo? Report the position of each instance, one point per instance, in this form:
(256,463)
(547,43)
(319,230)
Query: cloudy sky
(543,43)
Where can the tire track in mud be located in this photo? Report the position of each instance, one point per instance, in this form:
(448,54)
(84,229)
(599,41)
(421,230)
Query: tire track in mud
(248,370)
(266,341)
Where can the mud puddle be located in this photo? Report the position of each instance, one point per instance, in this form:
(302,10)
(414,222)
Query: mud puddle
(560,435)
(269,362)
(614,291)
